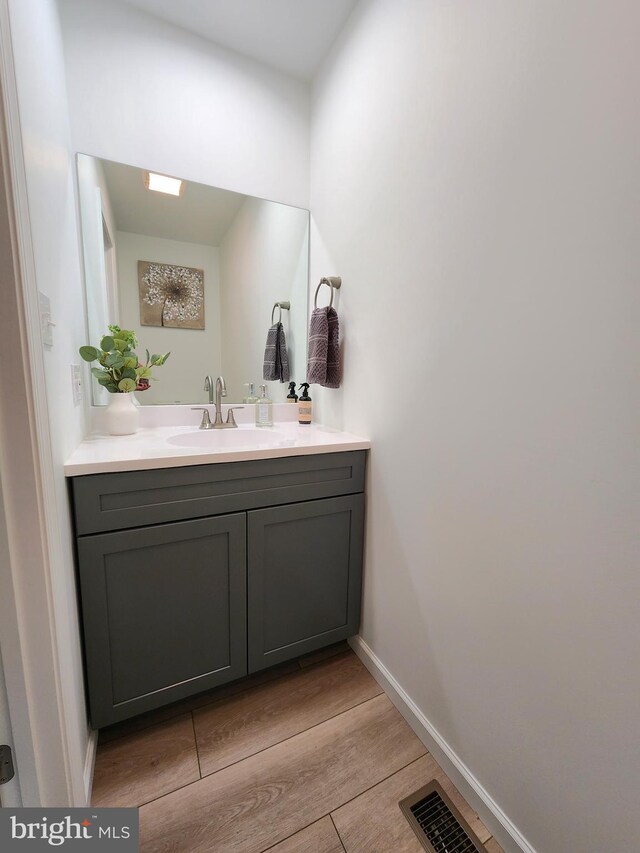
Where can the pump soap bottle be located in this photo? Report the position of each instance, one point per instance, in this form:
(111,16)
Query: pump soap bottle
(305,406)
(264,409)
(251,396)
(292,397)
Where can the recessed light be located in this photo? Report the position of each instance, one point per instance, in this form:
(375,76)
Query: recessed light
(163,183)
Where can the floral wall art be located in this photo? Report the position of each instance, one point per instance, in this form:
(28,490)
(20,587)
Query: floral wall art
(171,296)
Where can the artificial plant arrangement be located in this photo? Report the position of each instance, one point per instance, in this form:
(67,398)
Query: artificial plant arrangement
(120,370)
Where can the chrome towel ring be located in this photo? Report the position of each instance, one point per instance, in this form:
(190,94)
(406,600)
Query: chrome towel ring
(279,306)
(334,282)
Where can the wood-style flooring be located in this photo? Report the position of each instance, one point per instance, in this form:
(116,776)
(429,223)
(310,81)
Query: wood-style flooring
(310,757)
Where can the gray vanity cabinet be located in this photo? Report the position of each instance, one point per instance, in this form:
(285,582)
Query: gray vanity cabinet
(164,613)
(192,577)
(304,575)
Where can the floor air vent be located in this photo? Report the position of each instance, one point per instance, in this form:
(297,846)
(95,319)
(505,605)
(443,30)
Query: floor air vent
(438,824)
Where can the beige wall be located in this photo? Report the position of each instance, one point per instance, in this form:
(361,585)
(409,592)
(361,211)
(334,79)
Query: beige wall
(100,300)
(263,259)
(224,120)
(194,352)
(479,196)
(144,92)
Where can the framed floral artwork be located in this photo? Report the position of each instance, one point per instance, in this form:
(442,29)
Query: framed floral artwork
(171,296)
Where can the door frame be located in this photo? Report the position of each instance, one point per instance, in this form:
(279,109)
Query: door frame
(28,638)
(10,793)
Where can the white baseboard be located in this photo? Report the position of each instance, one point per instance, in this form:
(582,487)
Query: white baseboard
(506,833)
(89,764)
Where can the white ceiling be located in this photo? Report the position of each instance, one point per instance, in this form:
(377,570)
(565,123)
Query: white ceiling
(200,215)
(293,36)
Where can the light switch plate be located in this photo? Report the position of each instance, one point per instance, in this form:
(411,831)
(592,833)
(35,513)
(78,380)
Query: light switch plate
(76,383)
(46,323)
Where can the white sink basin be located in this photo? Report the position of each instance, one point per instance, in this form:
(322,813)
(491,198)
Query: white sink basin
(219,439)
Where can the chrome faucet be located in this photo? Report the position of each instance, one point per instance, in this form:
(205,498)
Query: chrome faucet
(208,386)
(220,391)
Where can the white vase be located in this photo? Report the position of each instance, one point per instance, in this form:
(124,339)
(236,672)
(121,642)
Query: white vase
(122,414)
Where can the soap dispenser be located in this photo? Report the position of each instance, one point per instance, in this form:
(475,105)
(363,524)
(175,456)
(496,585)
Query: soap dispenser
(292,397)
(305,405)
(264,409)
(251,396)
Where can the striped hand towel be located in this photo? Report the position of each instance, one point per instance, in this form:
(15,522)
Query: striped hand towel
(323,363)
(276,359)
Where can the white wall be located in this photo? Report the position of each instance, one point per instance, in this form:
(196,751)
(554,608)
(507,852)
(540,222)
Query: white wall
(479,194)
(152,95)
(101,302)
(96,212)
(194,352)
(264,259)
(40,78)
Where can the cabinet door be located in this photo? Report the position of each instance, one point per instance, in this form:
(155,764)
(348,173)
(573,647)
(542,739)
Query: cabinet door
(304,577)
(164,612)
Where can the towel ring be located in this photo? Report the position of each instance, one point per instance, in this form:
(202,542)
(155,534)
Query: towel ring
(279,306)
(334,282)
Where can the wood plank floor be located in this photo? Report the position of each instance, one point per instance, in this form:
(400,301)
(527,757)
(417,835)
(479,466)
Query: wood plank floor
(143,766)
(227,732)
(309,758)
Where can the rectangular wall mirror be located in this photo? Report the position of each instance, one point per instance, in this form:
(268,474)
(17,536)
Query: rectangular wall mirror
(195,273)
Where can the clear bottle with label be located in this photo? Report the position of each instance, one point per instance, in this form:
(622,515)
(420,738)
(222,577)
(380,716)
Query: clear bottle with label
(251,396)
(305,406)
(264,409)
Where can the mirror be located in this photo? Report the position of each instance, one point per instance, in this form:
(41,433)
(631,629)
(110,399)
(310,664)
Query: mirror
(195,273)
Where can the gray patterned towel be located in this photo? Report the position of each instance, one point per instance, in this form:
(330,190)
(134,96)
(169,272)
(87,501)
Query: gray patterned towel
(323,363)
(276,359)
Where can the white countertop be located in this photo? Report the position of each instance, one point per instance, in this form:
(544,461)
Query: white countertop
(156,447)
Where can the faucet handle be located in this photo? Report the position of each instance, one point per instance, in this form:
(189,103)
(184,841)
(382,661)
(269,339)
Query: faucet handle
(231,418)
(206,420)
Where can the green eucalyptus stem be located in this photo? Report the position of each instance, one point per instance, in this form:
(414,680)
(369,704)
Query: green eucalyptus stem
(120,370)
